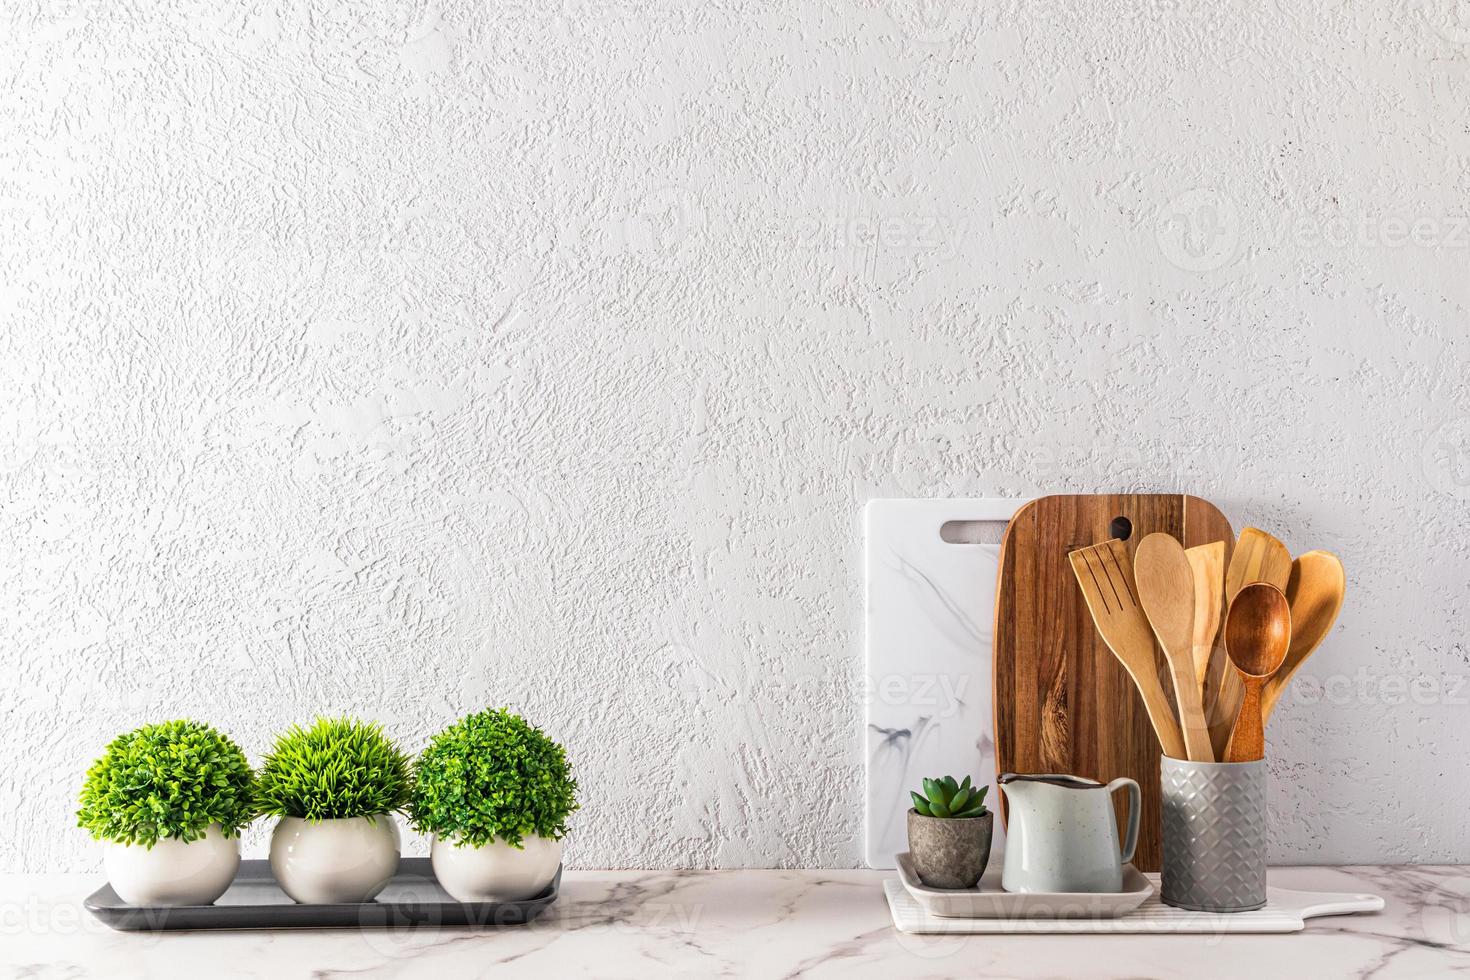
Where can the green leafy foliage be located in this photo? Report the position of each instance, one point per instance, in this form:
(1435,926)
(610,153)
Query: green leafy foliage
(947,798)
(167,781)
(336,769)
(492,775)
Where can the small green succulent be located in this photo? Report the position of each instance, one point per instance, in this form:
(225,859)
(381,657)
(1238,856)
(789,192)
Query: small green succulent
(167,781)
(489,775)
(947,798)
(336,769)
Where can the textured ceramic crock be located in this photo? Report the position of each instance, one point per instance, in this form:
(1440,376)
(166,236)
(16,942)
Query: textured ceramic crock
(949,852)
(171,872)
(328,862)
(1214,835)
(496,872)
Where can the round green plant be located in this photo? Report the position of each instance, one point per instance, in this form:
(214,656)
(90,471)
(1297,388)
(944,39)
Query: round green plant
(167,781)
(337,769)
(490,775)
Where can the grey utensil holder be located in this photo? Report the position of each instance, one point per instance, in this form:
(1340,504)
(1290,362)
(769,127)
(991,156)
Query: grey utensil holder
(1214,835)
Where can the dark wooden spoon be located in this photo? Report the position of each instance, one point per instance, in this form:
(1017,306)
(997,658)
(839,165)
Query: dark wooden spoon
(1257,636)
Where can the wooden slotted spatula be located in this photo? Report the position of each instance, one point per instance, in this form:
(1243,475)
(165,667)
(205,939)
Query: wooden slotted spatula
(1314,593)
(1258,557)
(1105,576)
(1166,591)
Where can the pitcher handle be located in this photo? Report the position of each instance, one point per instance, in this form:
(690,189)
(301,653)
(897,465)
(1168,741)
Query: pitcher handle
(1135,801)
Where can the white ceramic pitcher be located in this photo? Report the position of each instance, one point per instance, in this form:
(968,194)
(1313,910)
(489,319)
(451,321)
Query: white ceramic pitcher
(1062,835)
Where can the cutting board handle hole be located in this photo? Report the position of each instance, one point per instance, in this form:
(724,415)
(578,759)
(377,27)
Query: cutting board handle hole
(1121,528)
(972,532)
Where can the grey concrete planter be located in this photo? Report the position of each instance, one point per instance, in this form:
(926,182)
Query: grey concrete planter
(949,853)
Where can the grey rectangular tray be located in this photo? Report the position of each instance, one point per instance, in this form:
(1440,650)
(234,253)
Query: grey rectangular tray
(412,900)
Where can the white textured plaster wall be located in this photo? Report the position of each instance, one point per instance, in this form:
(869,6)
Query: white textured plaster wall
(404,358)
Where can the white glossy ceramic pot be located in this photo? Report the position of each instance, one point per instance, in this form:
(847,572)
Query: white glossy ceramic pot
(496,872)
(171,872)
(329,862)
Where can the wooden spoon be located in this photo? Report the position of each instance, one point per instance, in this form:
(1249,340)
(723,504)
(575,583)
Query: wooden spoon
(1257,635)
(1166,592)
(1315,594)
(1258,557)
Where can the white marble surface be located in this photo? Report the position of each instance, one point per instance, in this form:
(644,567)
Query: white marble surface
(750,923)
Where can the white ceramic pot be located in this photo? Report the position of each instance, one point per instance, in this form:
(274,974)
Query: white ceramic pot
(171,872)
(330,862)
(496,872)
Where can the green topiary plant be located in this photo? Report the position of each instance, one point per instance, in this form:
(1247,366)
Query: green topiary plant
(947,798)
(492,775)
(169,780)
(336,769)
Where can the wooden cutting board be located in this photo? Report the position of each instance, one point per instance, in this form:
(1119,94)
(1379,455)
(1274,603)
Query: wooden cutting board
(1063,703)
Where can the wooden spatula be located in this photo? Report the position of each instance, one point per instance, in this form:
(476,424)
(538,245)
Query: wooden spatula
(1105,575)
(1258,557)
(1314,593)
(1166,592)
(1207,561)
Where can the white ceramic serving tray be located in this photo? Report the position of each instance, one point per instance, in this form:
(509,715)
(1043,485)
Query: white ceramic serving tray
(989,901)
(1285,911)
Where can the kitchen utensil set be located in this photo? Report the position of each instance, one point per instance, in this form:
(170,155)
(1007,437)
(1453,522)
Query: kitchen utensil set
(1278,611)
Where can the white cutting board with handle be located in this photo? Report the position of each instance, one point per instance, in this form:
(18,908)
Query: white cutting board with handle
(1286,911)
(930,613)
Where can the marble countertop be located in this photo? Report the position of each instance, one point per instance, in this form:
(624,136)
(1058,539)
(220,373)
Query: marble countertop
(749,923)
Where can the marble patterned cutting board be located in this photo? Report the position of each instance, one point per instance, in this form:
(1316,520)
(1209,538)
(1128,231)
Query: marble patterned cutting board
(930,612)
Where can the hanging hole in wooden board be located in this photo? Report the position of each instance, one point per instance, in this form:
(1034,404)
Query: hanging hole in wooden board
(972,532)
(1120,528)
